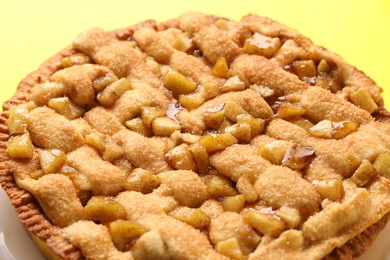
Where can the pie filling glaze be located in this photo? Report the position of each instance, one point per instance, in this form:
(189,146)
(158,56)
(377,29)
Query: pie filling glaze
(198,138)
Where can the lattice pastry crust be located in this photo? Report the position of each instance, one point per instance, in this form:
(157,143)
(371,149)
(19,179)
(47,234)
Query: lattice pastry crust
(198,138)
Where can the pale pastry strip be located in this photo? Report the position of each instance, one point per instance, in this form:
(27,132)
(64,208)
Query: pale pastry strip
(94,241)
(137,204)
(185,186)
(330,106)
(192,22)
(78,81)
(141,151)
(280,186)
(105,178)
(216,44)
(260,70)
(368,148)
(130,103)
(336,154)
(159,48)
(182,240)
(50,130)
(194,68)
(317,170)
(276,185)
(350,75)
(363,203)
(118,56)
(317,227)
(239,160)
(232,224)
(353,148)
(154,45)
(102,120)
(57,197)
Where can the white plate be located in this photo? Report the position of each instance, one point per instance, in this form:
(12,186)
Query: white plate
(15,243)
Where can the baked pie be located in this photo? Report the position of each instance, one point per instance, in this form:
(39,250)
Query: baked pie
(198,138)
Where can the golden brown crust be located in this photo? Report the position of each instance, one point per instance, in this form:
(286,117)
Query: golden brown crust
(359,244)
(26,206)
(29,210)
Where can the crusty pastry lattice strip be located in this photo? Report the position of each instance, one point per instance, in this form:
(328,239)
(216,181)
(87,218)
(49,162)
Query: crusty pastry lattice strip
(334,114)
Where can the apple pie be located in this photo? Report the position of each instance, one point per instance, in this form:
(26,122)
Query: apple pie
(198,138)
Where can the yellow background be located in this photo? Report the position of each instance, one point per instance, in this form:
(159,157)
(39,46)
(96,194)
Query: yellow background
(34,30)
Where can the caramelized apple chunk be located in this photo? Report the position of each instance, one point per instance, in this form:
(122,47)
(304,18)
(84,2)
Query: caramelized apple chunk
(382,165)
(262,90)
(20,146)
(112,92)
(148,114)
(123,231)
(329,129)
(233,110)
(42,93)
(242,131)
(103,81)
(179,40)
(96,140)
(364,173)
(193,100)
(178,83)
(219,186)
(75,59)
(180,157)
(112,150)
(137,125)
(323,66)
(216,142)
(150,245)
(290,216)
(266,224)
(363,99)
(142,181)
(233,203)
(17,120)
(51,161)
(221,68)
(231,248)
(194,217)
(287,53)
(65,107)
(164,126)
(245,187)
(201,157)
(332,189)
(104,209)
(297,158)
(224,125)
(290,110)
(305,69)
(233,84)
(214,119)
(182,42)
(275,151)
(256,124)
(262,45)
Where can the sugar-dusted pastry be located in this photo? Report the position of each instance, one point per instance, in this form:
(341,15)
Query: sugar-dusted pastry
(197,138)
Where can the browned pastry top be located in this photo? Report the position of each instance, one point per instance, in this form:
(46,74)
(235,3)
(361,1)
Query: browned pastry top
(198,138)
